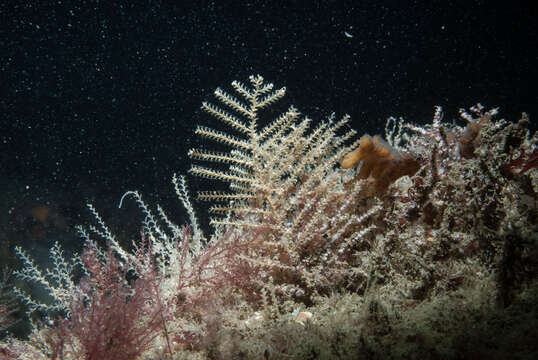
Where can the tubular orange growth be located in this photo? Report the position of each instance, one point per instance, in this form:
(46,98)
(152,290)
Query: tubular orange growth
(381,163)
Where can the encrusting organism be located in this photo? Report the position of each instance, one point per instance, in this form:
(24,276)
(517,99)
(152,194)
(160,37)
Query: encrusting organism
(380,162)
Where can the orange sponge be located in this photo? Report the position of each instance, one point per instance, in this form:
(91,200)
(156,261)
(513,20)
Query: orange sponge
(381,163)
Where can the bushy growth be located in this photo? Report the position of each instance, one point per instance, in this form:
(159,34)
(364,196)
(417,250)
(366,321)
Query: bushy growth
(112,317)
(309,259)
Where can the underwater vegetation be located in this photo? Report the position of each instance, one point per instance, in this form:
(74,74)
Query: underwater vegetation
(423,243)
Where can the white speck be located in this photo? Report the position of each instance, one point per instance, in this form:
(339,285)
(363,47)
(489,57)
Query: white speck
(348,34)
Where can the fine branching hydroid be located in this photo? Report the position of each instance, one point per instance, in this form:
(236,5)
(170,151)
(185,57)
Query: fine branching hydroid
(285,184)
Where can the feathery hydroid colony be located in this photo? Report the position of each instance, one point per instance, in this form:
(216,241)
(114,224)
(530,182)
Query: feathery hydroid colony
(267,164)
(285,187)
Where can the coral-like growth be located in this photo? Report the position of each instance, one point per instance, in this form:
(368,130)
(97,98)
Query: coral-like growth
(436,230)
(380,163)
(469,139)
(520,163)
